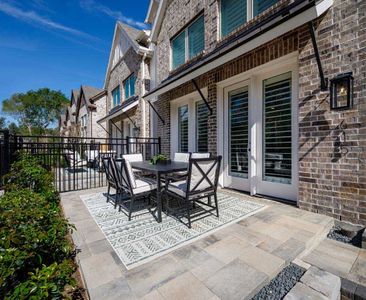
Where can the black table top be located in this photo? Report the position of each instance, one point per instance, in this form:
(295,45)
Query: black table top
(174,166)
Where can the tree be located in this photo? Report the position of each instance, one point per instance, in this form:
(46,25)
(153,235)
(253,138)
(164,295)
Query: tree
(2,123)
(36,110)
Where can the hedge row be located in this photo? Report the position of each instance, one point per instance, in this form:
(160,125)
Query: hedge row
(36,258)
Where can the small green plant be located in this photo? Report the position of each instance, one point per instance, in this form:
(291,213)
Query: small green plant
(36,257)
(158,158)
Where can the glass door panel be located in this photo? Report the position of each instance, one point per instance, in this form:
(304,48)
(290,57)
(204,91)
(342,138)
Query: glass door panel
(277,131)
(238,132)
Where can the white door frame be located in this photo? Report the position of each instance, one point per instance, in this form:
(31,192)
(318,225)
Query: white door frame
(228,180)
(254,77)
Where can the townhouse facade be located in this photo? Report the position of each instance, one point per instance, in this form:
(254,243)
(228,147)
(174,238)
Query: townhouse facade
(275,87)
(126,81)
(87,105)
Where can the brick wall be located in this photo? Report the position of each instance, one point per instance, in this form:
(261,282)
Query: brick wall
(330,181)
(130,63)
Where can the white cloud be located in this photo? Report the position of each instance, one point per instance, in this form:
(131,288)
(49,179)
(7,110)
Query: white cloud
(92,5)
(35,19)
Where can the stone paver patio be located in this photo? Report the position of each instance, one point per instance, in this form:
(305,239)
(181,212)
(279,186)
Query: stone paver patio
(232,263)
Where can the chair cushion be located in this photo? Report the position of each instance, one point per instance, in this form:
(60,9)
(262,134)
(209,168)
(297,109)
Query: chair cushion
(178,187)
(182,157)
(201,155)
(133,157)
(144,185)
(131,175)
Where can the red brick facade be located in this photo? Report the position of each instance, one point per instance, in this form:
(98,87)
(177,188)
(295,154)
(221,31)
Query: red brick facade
(332,144)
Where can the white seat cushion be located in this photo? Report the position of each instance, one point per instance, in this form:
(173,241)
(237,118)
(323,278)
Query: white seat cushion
(133,157)
(178,187)
(144,185)
(182,157)
(200,155)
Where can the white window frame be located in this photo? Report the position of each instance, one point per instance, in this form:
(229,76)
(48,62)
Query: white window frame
(250,16)
(190,100)
(186,41)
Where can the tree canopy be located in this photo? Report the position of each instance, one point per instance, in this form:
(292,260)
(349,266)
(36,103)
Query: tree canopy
(36,110)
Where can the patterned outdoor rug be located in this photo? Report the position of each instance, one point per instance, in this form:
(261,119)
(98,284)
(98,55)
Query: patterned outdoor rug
(143,238)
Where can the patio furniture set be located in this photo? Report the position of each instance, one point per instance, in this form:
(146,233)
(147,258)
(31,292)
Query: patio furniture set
(190,178)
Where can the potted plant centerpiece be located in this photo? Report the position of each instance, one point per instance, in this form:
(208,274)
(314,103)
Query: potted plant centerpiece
(160,159)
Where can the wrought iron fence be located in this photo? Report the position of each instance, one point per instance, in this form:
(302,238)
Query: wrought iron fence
(76,162)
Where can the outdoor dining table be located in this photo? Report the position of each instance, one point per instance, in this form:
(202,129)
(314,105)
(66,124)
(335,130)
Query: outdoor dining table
(158,170)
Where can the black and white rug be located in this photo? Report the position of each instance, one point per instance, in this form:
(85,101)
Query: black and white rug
(143,238)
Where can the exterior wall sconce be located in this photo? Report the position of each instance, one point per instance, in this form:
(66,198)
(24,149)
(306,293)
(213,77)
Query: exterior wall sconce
(136,131)
(341,91)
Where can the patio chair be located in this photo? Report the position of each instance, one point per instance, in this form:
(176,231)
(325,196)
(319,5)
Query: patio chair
(200,155)
(92,157)
(112,179)
(73,160)
(133,187)
(179,157)
(133,158)
(201,183)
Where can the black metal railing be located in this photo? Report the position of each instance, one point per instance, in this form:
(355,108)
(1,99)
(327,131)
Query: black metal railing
(76,162)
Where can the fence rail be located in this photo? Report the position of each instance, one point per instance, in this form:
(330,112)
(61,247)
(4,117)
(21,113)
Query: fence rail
(76,162)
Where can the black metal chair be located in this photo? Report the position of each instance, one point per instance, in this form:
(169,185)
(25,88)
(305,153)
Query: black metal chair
(112,179)
(201,183)
(134,188)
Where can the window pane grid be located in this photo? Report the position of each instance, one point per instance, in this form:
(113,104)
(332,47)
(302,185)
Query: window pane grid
(238,132)
(183,128)
(201,127)
(277,146)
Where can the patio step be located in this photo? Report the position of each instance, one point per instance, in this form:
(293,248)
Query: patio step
(315,241)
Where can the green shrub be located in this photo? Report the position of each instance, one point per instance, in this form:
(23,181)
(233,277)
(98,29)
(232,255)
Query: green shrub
(46,283)
(28,173)
(35,254)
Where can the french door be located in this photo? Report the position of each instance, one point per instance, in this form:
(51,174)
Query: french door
(260,128)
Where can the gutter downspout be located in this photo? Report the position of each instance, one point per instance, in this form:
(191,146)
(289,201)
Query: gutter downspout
(143,105)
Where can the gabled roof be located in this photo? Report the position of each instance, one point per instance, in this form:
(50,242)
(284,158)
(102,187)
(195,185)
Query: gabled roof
(88,92)
(74,96)
(136,38)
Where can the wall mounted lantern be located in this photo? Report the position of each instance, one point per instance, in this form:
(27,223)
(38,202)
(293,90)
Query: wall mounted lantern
(341,91)
(136,131)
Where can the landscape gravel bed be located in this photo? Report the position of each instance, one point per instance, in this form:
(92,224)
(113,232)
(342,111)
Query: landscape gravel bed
(279,286)
(341,235)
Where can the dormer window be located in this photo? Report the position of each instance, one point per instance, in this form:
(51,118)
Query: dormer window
(235,13)
(116,97)
(129,86)
(189,43)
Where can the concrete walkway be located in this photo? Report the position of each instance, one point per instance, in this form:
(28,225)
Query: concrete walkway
(232,263)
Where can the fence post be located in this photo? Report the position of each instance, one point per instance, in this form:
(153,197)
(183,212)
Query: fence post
(159,144)
(127,145)
(6,153)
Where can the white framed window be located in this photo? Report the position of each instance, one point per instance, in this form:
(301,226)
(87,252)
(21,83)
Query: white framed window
(129,86)
(183,130)
(116,96)
(234,13)
(188,43)
(189,117)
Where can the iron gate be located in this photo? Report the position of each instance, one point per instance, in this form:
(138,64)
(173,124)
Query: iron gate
(76,162)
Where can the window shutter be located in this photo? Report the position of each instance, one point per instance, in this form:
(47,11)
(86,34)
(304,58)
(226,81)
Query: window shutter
(183,128)
(196,37)
(201,127)
(277,129)
(178,49)
(260,6)
(238,132)
(233,14)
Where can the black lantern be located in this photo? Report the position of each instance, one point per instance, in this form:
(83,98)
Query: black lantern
(341,91)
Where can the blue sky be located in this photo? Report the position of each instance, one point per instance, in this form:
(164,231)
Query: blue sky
(59,44)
